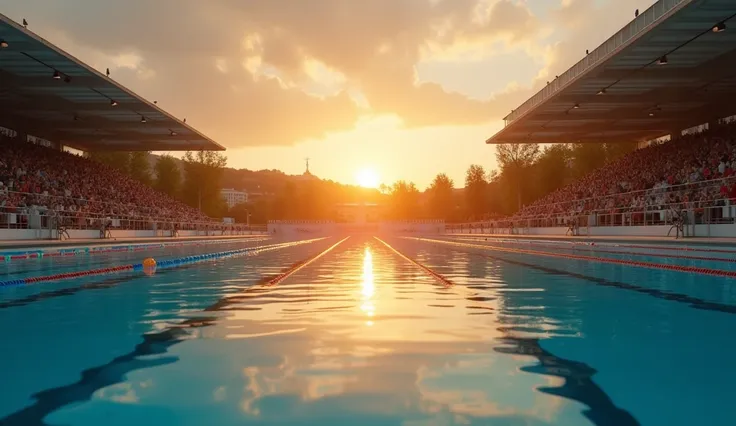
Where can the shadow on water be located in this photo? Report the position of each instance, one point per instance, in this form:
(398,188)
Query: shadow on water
(114,372)
(579,385)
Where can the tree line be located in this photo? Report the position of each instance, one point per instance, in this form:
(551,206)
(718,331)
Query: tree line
(526,172)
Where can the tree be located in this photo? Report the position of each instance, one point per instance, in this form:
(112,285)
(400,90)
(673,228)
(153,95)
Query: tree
(476,190)
(617,150)
(404,201)
(139,168)
(115,159)
(203,172)
(168,175)
(441,197)
(514,159)
(587,157)
(551,170)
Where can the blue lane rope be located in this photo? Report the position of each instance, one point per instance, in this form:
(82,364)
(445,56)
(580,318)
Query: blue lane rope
(164,264)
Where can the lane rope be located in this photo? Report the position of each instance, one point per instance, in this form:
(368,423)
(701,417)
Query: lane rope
(8,256)
(164,264)
(606,243)
(429,271)
(650,265)
(593,248)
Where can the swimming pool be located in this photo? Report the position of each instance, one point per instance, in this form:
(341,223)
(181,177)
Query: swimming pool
(367,331)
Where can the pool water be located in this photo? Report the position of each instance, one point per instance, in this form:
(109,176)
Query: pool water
(365,336)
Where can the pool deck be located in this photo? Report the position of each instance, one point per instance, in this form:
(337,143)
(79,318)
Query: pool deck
(700,241)
(96,242)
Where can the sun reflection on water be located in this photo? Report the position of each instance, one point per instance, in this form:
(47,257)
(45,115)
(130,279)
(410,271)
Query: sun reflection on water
(368,287)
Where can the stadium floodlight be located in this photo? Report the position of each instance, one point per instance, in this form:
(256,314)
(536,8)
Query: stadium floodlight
(56,76)
(663,60)
(143,119)
(601,92)
(576,106)
(719,27)
(113,102)
(4,44)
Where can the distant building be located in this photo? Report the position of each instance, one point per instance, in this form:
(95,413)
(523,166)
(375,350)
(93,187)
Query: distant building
(233,197)
(358,212)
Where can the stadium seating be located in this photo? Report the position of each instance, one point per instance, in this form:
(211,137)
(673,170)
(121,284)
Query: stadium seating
(59,183)
(691,172)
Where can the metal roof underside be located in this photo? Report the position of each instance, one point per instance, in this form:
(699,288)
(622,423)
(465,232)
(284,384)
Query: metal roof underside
(76,109)
(643,100)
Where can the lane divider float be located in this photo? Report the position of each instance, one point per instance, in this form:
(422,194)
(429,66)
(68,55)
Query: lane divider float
(650,265)
(8,256)
(604,243)
(429,271)
(594,248)
(150,265)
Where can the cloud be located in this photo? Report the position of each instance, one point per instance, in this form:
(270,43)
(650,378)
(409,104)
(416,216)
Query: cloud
(276,72)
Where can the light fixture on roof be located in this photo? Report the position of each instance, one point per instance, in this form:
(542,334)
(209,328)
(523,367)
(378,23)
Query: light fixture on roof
(172,133)
(601,92)
(719,27)
(663,60)
(576,106)
(57,76)
(651,114)
(4,44)
(113,102)
(143,118)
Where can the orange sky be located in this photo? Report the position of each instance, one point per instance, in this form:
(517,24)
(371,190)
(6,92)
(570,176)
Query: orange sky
(408,88)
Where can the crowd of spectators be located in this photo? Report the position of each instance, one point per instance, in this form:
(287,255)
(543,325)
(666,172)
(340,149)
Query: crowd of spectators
(694,171)
(34,178)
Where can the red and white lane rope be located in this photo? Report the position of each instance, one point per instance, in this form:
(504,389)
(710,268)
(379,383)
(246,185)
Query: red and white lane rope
(650,265)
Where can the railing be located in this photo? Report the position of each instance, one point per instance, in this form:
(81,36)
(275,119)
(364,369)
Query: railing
(56,225)
(629,33)
(707,211)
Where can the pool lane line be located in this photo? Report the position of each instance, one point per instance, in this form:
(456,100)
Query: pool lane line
(115,371)
(691,301)
(639,264)
(69,291)
(578,386)
(135,247)
(623,253)
(169,263)
(610,243)
(101,260)
(578,376)
(429,271)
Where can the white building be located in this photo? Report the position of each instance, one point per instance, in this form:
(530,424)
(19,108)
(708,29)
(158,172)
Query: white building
(233,197)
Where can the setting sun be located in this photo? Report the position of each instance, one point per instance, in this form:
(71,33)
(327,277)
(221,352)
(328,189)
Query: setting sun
(367,178)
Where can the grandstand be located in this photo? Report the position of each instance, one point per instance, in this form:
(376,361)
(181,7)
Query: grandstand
(50,101)
(669,69)
(667,72)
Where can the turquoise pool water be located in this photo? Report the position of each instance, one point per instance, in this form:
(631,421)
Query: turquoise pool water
(363,336)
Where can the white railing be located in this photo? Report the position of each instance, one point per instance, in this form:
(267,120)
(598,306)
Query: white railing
(710,210)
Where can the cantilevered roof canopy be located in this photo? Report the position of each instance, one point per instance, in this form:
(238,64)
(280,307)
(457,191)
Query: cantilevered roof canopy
(664,72)
(48,93)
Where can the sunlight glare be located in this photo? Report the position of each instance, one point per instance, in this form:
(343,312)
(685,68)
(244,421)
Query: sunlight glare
(367,178)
